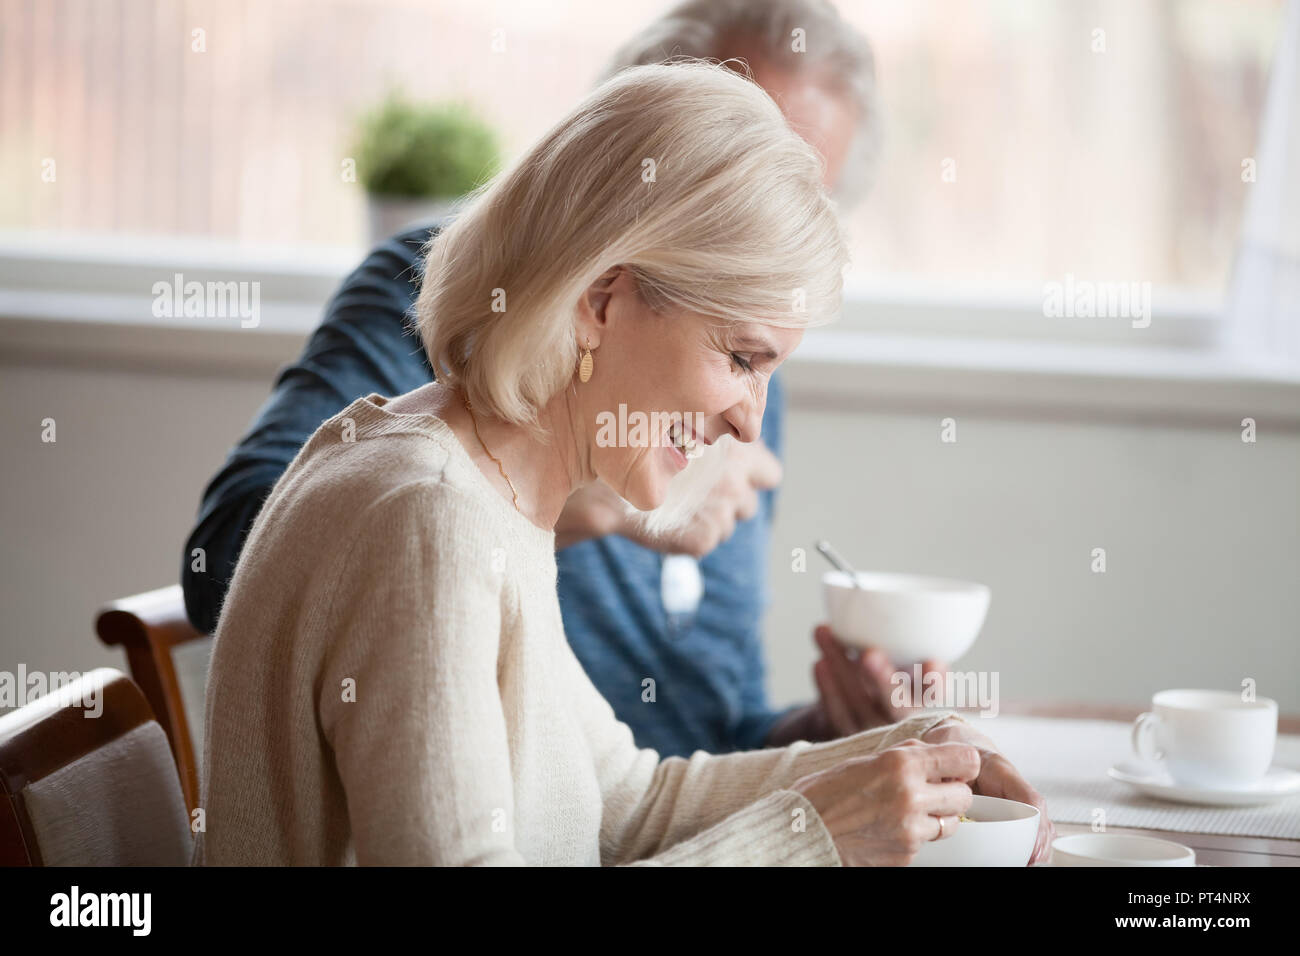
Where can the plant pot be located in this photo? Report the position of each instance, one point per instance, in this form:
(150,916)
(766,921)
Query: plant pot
(390,215)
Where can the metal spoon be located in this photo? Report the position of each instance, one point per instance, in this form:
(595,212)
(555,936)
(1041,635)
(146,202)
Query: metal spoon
(833,556)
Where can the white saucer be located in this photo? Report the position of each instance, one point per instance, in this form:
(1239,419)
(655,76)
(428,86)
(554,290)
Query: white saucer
(1278,784)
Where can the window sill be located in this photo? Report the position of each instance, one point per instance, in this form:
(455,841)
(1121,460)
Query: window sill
(82,299)
(120,331)
(836,370)
(87,302)
(855,370)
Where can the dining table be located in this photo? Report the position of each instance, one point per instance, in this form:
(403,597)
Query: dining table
(1064,749)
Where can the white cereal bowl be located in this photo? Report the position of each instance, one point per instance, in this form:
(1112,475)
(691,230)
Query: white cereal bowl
(1115,849)
(911,618)
(999,833)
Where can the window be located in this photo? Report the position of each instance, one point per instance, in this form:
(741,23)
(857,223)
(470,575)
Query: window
(1031,141)
(1025,141)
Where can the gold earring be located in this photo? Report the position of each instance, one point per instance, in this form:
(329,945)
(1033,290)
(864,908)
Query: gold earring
(585,366)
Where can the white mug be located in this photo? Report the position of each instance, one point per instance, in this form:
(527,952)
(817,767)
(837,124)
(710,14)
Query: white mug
(1208,738)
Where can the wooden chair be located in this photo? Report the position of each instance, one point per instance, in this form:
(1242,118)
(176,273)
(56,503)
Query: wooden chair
(169,661)
(87,779)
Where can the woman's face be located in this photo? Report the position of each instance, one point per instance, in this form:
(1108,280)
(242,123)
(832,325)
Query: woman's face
(649,368)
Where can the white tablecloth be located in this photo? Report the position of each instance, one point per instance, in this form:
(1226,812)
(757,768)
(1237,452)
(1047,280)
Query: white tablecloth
(1067,761)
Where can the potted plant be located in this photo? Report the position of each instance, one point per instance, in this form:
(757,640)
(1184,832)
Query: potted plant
(415,160)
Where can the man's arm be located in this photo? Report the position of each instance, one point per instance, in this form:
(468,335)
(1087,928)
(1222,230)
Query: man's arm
(363,345)
(801,722)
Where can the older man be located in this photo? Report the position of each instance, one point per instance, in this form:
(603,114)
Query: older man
(707,666)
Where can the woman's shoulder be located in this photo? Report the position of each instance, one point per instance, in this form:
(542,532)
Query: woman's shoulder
(358,458)
(368,460)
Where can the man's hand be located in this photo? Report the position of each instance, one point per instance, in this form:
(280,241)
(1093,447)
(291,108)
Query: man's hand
(594,510)
(857,690)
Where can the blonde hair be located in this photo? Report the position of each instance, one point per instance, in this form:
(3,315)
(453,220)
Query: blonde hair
(687,175)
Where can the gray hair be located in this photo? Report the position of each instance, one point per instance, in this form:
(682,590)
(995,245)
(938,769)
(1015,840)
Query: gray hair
(710,29)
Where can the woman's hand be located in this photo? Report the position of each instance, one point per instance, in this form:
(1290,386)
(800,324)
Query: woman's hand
(998,778)
(880,808)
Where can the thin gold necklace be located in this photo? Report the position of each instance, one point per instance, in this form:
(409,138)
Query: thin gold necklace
(500,467)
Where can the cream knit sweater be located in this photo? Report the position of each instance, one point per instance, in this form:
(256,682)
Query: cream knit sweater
(391,684)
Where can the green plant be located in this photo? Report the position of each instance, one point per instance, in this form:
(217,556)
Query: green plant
(436,151)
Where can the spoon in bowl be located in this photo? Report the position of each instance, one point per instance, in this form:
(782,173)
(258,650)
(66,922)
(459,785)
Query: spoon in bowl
(834,557)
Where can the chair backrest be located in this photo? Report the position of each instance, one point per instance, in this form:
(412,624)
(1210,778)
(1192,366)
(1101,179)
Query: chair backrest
(169,660)
(87,779)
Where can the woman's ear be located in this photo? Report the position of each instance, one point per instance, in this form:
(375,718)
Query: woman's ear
(591,308)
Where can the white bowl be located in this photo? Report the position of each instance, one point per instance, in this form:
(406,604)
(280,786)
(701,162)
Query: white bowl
(1115,849)
(1000,833)
(910,618)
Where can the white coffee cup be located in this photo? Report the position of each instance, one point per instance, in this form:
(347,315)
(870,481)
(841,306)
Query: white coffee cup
(1208,738)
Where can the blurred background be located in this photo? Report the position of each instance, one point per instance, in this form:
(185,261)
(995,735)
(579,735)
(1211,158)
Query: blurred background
(1120,162)
(1025,144)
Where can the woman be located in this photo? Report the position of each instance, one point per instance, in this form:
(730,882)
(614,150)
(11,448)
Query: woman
(391,682)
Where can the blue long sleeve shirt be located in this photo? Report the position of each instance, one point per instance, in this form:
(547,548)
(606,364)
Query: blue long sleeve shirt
(708,690)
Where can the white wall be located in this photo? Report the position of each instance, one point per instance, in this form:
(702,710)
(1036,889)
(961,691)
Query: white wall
(102,512)
(1202,532)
